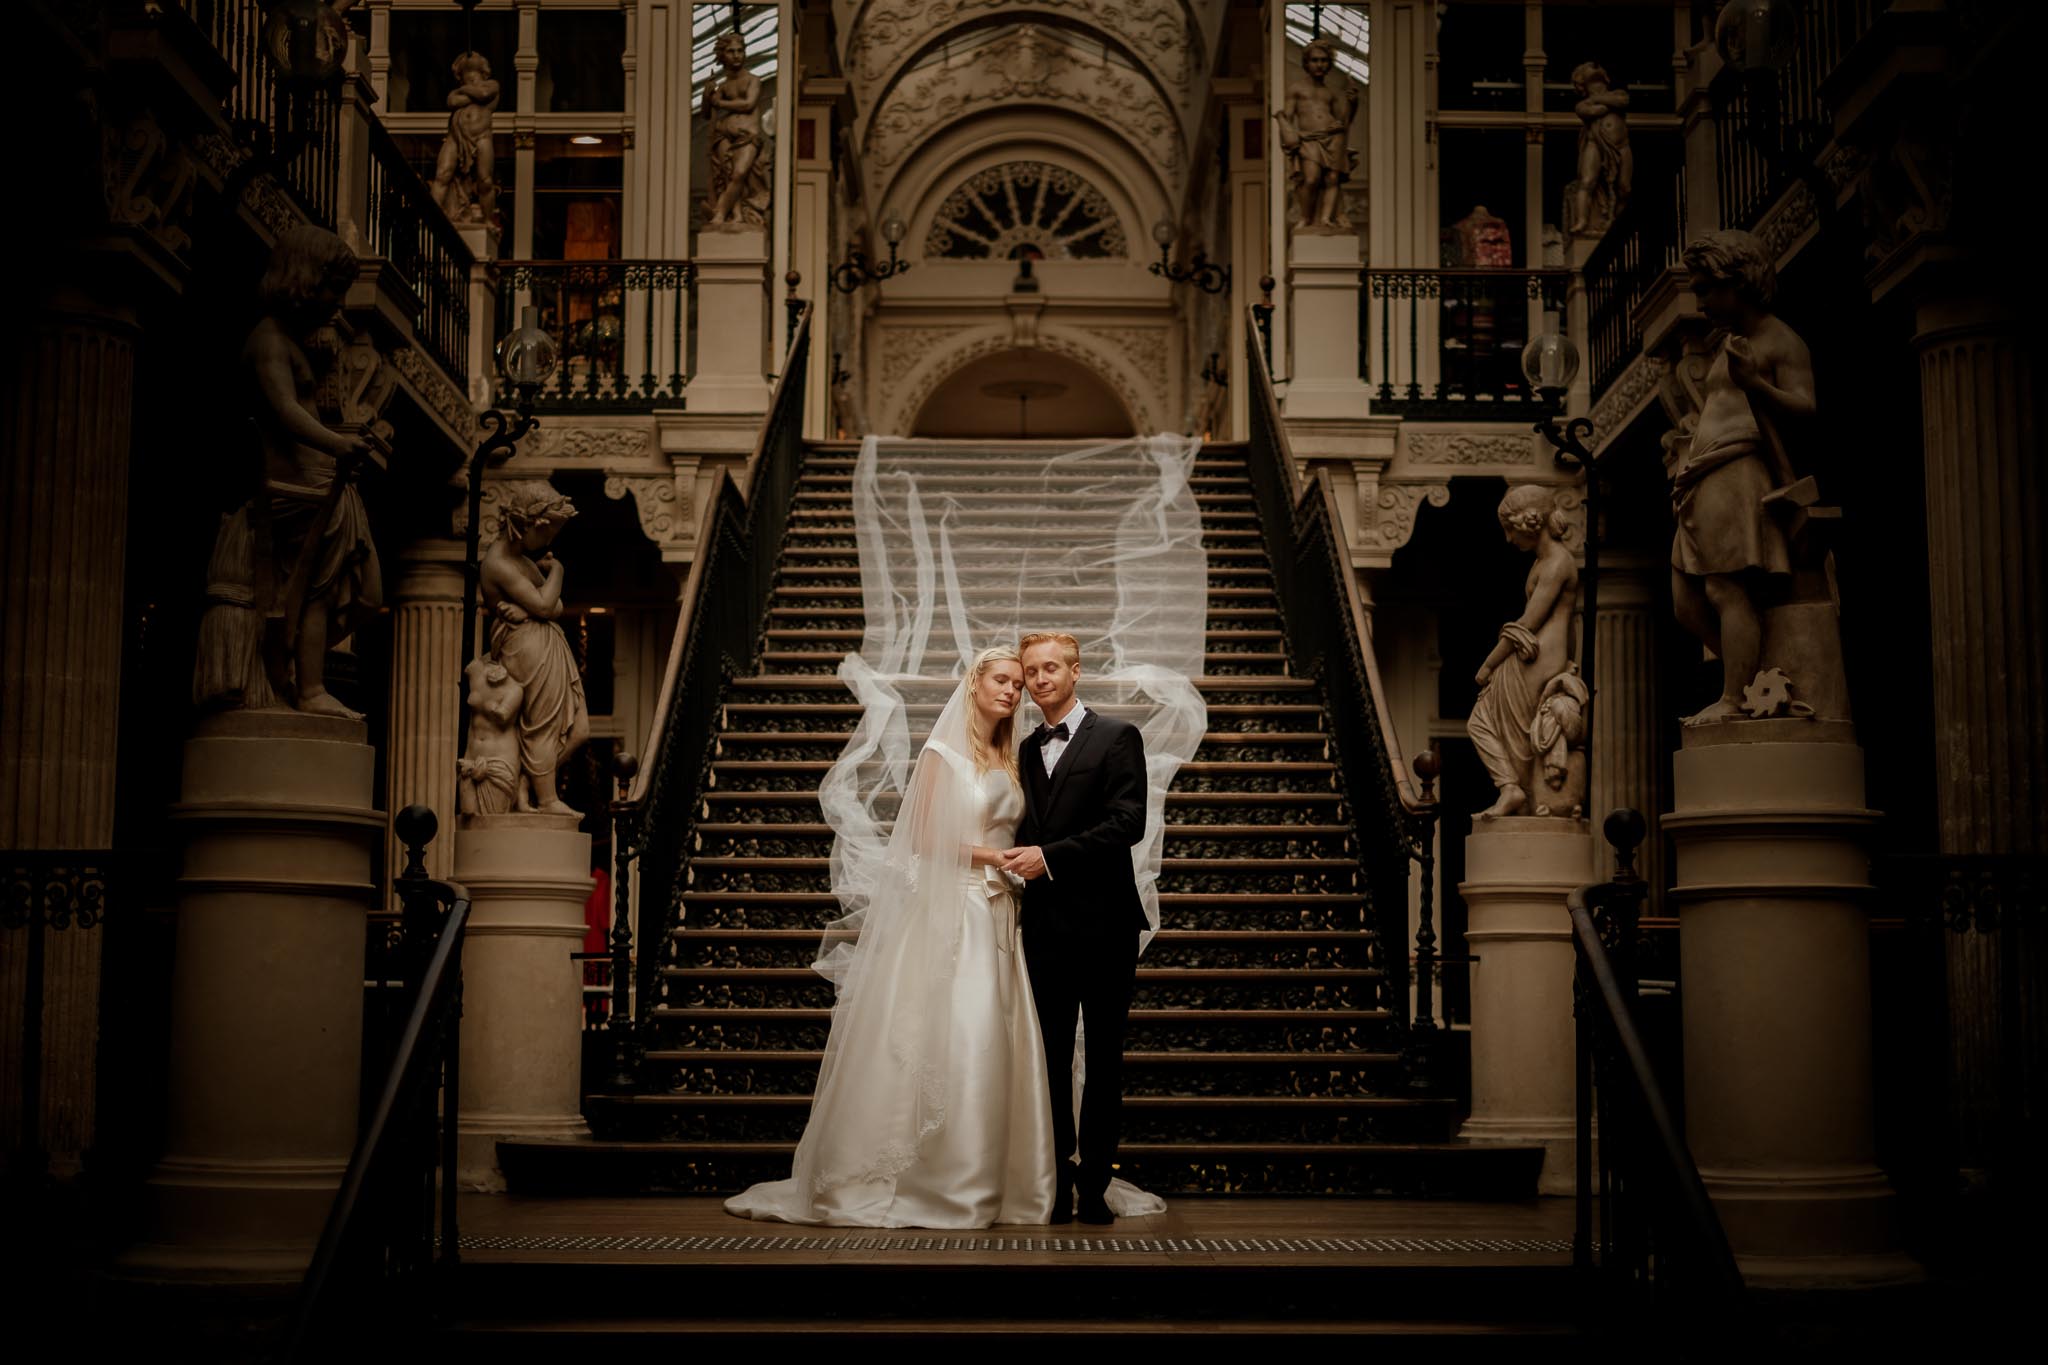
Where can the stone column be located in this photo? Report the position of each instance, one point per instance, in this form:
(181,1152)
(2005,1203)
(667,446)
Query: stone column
(1626,756)
(1772,889)
(732,327)
(64,421)
(522,994)
(1323,283)
(426,683)
(1518,870)
(279,826)
(1981,412)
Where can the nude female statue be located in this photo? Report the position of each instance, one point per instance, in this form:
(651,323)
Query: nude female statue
(739,184)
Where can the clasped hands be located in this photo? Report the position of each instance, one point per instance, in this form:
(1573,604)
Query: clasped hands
(1027,862)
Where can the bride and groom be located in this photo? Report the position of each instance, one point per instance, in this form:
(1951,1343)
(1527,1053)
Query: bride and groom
(945,1098)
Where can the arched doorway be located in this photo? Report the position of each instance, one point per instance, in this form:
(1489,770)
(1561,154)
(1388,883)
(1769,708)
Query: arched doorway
(1028,393)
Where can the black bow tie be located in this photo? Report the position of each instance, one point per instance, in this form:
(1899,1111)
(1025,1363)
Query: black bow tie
(1053,732)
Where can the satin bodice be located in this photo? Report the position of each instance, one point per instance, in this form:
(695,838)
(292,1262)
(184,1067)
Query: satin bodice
(1002,806)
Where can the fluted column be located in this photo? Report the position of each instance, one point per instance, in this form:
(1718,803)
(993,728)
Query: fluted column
(1627,767)
(1981,410)
(64,424)
(426,687)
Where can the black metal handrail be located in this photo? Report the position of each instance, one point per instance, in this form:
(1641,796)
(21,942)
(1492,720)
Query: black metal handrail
(1643,242)
(383,1226)
(622,325)
(408,229)
(1471,323)
(45,890)
(718,637)
(1646,1237)
(1328,638)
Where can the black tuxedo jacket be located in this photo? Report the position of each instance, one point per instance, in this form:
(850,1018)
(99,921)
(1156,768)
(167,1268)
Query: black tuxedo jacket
(1086,817)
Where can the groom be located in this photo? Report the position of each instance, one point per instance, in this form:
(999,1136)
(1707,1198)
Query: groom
(1084,807)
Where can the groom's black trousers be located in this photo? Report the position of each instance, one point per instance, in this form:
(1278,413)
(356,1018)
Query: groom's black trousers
(1090,977)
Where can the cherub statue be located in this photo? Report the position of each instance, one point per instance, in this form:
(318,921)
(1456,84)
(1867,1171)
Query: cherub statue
(739,194)
(294,569)
(1731,473)
(522,589)
(1533,649)
(1557,734)
(487,774)
(465,183)
(1607,166)
(1315,133)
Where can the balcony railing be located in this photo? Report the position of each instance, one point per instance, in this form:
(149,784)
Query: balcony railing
(1643,242)
(624,328)
(1448,343)
(409,230)
(1767,134)
(259,108)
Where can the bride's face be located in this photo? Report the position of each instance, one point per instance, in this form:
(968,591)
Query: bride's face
(999,688)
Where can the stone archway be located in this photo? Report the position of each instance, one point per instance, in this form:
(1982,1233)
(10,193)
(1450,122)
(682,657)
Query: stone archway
(1025,393)
(1131,360)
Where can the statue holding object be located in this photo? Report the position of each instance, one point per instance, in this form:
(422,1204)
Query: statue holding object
(294,569)
(737,148)
(1519,681)
(465,180)
(487,776)
(522,590)
(1738,500)
(1315,136)
(1607,165)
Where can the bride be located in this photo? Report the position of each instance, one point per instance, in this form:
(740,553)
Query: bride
(932,1108)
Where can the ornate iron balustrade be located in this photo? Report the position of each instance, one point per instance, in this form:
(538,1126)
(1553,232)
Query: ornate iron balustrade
(1768,131)
(263,114)
(1448,343)
(718,637)
(1647,1240)
(407,228)
(1644,242)
(624,328)
(1328,638)
(1970,893)
(391,1233)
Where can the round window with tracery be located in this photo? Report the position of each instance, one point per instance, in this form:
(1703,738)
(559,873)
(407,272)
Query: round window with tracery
(1026,209)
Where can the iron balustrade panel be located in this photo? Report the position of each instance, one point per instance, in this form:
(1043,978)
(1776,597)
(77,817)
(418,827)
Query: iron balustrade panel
(1769,128)
(1305,551)
(728,616)
(624,328)
(407,228)
(1470,325)
(1645,241)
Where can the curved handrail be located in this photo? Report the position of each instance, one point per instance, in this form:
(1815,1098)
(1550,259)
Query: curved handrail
(438,998)
(1718,1276)
(1300,495)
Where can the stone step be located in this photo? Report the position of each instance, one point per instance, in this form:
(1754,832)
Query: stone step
(809,718)
(1251,663)
(747,839)
(778,775)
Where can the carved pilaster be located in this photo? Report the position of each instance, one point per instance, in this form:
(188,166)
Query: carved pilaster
(426,679)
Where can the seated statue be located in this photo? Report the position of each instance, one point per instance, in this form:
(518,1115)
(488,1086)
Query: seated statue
(522,590)
(294,569)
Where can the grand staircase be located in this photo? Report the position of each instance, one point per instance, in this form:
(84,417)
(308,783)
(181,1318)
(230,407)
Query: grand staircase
(1264,1051)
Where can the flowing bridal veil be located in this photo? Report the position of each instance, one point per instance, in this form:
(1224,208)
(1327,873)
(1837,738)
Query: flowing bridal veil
(958,552)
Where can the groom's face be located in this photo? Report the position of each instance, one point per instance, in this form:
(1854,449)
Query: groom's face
(1050,677)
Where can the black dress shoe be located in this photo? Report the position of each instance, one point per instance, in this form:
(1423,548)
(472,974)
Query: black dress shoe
(1095,1209)
(1062,1202)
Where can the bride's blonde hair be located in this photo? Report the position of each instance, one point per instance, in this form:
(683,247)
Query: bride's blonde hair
(997,750)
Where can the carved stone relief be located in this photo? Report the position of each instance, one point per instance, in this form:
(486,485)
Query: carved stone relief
(1390,521)
(594,444)
(1469,448)
(1144,347)
(663,508)
(1028,65)
(904,349)
(435,393)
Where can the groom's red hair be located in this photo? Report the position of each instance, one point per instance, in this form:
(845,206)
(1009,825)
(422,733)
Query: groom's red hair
(1069,646)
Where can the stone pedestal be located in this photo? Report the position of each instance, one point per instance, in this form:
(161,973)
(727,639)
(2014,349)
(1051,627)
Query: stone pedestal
(1518,871)
(522,994)
(65,406)
(732,322)
(279,825)
(1323,289)
(1772,880)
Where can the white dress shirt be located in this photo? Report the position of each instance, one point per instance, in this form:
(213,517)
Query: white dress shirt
(1055,746)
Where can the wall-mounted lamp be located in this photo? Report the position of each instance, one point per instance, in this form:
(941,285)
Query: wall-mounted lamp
(856,270)
(1201,272)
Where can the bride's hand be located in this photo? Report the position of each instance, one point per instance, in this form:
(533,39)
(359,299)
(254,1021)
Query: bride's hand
(1028,862)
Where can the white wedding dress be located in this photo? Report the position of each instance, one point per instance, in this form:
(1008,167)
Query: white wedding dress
(932,1108)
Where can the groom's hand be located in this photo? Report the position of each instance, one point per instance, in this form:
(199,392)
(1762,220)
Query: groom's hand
(1028,862)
